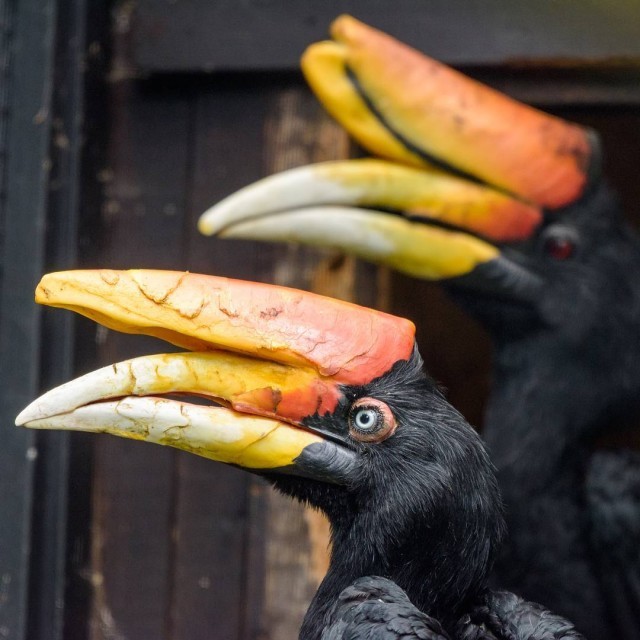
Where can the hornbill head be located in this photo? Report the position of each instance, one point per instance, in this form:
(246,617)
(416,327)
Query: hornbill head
(501,201)
(326,399)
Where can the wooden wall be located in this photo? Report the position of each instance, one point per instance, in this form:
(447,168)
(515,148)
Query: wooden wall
(151,543)
(182,548)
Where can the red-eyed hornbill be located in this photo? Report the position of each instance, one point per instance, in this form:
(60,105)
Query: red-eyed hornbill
(328,401)
(508,207)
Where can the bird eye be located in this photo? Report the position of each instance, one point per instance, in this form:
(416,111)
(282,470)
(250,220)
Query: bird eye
(366,419)
(559,243)
(371,420)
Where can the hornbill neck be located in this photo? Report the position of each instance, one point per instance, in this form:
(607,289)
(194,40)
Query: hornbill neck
(530,411)
(549,403)
(541,425)
(416,566)
(440,559)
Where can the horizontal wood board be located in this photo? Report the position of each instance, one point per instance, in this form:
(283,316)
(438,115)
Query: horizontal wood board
(213,550)
(202,36)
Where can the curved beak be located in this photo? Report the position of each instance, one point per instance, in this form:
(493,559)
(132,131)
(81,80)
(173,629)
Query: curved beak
(272,357)
(427,224)
(467,169)
(410,108)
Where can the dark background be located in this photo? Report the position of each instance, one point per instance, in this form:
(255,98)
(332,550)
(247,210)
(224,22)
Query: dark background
(119,124)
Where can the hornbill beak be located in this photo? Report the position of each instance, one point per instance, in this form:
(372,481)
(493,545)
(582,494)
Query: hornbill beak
(271,356)
(466,168)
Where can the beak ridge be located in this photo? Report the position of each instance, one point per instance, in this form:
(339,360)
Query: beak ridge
(436,112)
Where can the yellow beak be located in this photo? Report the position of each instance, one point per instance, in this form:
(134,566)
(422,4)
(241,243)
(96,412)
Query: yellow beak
(272,356)
(466,169)
(405,106)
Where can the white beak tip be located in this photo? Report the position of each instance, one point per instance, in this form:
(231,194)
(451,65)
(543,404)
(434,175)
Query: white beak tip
(33,415)
(24,417)
(205,223)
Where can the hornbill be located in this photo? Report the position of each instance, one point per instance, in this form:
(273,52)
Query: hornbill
(507,206)
(329,402)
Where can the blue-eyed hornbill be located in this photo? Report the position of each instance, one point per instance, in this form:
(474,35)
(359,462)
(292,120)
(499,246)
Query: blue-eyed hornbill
(328,401)
(507,206)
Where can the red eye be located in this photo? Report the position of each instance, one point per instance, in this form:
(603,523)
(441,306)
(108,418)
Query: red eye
(559,248)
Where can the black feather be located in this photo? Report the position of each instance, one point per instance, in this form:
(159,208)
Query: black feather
(422,510)
(376,608)
(567,372)
(510,617)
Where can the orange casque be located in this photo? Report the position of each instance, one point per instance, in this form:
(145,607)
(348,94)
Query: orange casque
(539,157)
(339,341)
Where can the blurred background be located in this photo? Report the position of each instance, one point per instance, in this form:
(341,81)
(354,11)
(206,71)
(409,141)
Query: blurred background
(121,122)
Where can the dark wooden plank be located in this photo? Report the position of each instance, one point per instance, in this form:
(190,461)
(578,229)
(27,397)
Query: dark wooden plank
(255,565)
(131,544)
(134,498)
(48,576)
(31,52)
(298,132)
(229,153)
(6,20)
(213,505)
(210,538)
(229,35)
(94,133)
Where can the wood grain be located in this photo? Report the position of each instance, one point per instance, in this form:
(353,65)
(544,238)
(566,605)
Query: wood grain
(297,133)
(184,548)
(458,32)
(133,499)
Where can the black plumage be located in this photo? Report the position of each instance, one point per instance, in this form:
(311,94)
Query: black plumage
(421,510)
(505,614)
(405,481)
(374,607)
(563,310)
(566,373)
(377,609)
(562,305)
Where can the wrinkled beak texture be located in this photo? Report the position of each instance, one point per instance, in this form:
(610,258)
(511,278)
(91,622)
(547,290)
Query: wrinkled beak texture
(415,193)
(408,107)
(213,432)
(249,385)
(261,397)
(348,343)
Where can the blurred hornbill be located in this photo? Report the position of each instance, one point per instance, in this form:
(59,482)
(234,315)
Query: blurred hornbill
(328,401)
(508,207)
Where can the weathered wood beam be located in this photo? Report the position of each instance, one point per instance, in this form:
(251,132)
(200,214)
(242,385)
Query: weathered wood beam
(203,36)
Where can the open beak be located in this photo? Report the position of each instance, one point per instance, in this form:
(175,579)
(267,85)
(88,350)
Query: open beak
(466,168)
(271,356)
